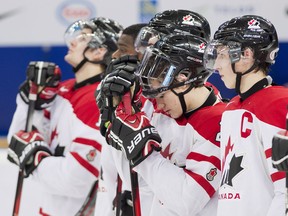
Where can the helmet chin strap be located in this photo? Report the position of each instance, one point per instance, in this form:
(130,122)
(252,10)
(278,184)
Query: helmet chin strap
(77,68)
(239,75)
(181,98)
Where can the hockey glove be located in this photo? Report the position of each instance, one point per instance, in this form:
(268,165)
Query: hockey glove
(280,151)
(27,149)
(122,78)
(47,76)
(119,79)
(124,60)
(106,108)
(133,134)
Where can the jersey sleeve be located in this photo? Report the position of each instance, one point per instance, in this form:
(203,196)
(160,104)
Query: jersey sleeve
(73,173)
(187,190)
(76,143)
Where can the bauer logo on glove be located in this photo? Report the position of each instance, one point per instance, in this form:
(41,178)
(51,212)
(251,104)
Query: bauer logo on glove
(141,136)
(27,149)
(134,135)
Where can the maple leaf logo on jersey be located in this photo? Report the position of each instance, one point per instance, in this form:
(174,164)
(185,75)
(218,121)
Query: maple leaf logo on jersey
(91,155)
(232,171)
(234,166)
(166,152)
(228,148)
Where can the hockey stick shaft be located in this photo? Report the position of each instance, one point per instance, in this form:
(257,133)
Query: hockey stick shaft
(28,127)
(133,175)
(118,195)
(88,206)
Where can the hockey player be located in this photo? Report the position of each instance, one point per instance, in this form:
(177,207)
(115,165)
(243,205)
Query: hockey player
(185,174)
(106,197)
(242,52)
(67,128)
(170,21)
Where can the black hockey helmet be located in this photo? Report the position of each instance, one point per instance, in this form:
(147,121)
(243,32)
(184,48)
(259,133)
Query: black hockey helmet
(181,21)
(109,29)
(172,22)
(105,33)
(251,31)
(170,56)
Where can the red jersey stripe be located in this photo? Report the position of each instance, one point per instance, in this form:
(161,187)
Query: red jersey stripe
(203,182)
(47,114)
(90,142)
(42,213)
(278,176)
(200,157)
(268,153)
(85,164)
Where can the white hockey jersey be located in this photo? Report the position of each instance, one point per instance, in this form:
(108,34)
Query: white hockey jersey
(185,176)
(74,139)
(250,185)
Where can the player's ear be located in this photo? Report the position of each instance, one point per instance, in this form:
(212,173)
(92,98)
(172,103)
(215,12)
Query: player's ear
(248,53)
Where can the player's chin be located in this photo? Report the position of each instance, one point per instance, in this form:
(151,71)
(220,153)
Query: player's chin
(174,115)
(68,58)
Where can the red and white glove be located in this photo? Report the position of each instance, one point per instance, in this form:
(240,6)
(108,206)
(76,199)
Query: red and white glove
(27,149)
(133,134)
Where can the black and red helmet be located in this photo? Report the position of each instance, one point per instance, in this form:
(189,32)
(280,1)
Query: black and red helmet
(170,56)
(172,22)
(110,29)
(251,31)
(181,21)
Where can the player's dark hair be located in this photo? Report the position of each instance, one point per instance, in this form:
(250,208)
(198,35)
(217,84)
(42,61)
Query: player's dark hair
(133,30)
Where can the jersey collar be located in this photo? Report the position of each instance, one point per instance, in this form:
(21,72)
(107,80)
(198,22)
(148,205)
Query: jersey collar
(88,81)
(256,87)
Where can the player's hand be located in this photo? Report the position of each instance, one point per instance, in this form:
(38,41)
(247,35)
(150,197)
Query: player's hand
(46,75)
(133,134)
(105,107)
(122,61)
(27,149)
(121,77)
(280,151)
